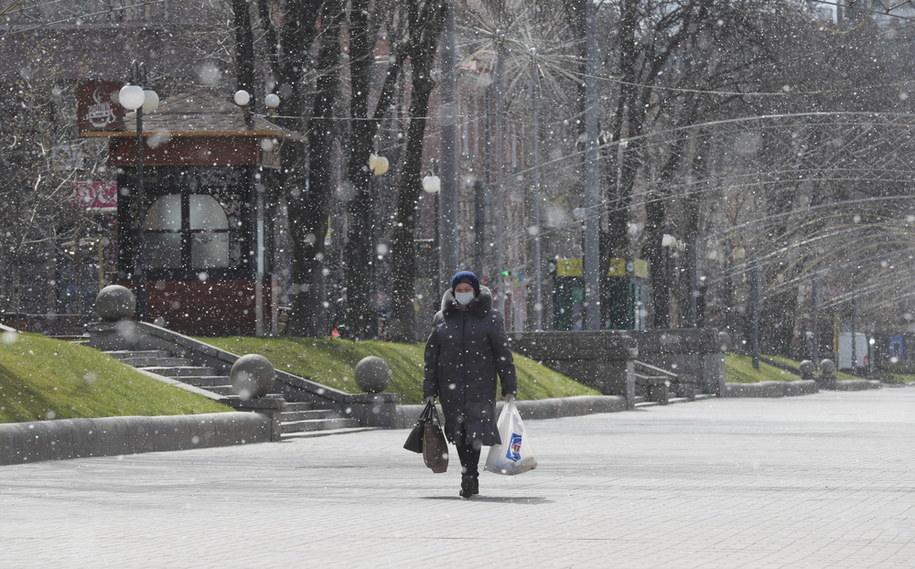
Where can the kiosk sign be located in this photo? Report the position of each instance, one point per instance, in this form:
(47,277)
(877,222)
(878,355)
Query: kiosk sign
(98,196)
(98,108)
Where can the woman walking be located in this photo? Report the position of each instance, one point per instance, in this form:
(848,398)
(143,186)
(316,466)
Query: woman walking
(467,348)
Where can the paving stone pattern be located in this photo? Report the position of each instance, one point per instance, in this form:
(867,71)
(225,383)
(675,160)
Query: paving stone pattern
(821,481)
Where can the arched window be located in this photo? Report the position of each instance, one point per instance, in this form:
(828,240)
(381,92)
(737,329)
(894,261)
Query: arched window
(209,233)
(163,233)
(187,231)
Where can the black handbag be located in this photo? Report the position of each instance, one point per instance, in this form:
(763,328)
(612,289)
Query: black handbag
(415,439)
(435,448)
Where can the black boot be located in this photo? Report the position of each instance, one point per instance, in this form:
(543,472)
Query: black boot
(468,485)
(475,484)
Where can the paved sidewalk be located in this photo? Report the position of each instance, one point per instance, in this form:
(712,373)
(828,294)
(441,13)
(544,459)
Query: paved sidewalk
(825,480)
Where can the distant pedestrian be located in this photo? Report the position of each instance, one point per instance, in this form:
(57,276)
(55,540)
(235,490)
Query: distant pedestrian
(467,348)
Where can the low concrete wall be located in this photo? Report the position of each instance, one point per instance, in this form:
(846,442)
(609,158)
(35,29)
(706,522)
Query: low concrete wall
(696,353)
(857,384)
(771,388)
(406,415)
(603,359)
(793,388)
(110,436)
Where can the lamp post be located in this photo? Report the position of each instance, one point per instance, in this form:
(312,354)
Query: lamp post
(815,310)
(755,293)
(448,110)
(855,308)
(243,99)
(591,245)
(668,243)
(432,185)
(134,97)
(536,190)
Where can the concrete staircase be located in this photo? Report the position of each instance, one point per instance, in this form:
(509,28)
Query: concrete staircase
(295,417)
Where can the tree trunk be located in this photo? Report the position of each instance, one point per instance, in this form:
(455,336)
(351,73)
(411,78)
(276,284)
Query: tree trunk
(308,205)
(287,49)
(403,250)
(403,259)
(360,266)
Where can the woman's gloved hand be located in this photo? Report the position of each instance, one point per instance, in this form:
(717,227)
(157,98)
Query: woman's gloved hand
(509,397)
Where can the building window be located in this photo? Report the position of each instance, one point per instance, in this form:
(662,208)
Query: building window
(187,231)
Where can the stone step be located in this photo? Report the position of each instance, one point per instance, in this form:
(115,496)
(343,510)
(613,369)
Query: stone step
(156,361)
(134,353)
(181,371)
(288,416)
(331,432)
(205,381)
(309,425)
(297,417)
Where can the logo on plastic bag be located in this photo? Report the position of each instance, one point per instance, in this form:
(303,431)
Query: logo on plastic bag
(514,448)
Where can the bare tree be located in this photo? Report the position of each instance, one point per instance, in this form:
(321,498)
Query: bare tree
(302,40)
(40,163)
(421,48)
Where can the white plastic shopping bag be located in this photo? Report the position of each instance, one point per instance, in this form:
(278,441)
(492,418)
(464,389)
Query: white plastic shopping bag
(514,455)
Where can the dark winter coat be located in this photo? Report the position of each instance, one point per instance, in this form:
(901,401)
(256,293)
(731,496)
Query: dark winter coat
(466,349)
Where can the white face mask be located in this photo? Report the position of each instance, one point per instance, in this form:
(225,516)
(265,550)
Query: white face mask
(463,297)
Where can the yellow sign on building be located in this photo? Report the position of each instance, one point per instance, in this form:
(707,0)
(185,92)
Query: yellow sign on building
(618,268)
(569,268)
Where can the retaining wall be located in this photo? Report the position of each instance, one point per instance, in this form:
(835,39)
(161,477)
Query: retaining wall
(110,436)
(771,388)
(694,353)
(604,360)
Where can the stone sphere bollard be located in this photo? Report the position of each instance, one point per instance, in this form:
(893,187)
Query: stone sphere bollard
(252,376)
(808,368)
(372,374)
(827,380)
(114,303)
(724,340)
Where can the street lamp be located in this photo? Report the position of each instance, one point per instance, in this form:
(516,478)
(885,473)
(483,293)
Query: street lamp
(669,243)
(134,97)
(271,101)
(379,165)
(242,98)
(432,185)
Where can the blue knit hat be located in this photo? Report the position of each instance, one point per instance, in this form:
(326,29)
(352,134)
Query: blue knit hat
(466,277)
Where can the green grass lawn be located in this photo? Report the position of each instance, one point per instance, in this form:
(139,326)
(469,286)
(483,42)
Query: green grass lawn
(331,362)
(42,378)
(739,369)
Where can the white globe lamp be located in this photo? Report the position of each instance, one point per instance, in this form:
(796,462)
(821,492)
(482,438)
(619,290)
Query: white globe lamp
(242,98)
(131,97)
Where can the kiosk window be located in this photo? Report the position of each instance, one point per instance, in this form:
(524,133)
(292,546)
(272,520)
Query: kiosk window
(187,230)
